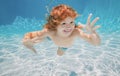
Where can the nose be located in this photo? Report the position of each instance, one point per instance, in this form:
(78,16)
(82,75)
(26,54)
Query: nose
(67,25)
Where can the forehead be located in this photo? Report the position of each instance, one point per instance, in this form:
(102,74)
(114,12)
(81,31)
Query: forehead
(68,19)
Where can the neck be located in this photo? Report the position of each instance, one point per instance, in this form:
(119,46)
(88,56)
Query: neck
(61,35)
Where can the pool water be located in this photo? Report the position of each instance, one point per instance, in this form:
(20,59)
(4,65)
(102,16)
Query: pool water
(81,59)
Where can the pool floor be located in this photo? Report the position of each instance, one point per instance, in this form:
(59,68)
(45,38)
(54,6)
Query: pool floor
(81,59)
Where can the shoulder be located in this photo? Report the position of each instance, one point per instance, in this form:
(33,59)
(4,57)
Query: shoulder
(76,31)
(43,32)
(47,32)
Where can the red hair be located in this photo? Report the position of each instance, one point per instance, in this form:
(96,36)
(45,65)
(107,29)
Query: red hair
(58,14)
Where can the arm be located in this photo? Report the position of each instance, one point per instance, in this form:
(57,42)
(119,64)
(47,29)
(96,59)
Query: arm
(34,37)
(93,37)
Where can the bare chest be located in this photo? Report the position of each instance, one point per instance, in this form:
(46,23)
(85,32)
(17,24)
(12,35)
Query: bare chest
(63,42)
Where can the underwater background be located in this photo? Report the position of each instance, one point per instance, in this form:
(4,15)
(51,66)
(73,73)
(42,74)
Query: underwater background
(18,17)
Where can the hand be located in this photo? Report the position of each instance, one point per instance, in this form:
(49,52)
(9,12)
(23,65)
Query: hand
(90,26)
(29,44)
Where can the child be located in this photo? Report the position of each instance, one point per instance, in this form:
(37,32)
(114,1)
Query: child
(62,30)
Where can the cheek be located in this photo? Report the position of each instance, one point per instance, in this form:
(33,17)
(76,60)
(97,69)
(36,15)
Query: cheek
(59,29)
(72,27)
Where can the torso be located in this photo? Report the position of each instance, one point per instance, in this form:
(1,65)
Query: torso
(63,42)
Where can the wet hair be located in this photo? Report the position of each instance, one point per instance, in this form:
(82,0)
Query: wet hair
(58,14)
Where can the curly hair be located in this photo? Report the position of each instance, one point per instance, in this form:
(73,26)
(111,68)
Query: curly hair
(58,14)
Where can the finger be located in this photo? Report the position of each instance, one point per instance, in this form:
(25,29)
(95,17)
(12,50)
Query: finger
(94,21)
(33,49)
(88,20)
(30,46)
(96,27)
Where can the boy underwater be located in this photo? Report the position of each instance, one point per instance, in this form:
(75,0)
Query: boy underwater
(61,29)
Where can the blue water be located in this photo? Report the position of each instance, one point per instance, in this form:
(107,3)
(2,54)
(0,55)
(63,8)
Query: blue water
(81,59)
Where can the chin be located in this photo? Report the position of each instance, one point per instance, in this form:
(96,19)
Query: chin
(66,34)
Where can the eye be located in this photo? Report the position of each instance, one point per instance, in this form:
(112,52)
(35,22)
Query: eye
(71,22)
(63,23)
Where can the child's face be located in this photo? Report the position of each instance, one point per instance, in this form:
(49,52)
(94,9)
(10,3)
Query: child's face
(66,27)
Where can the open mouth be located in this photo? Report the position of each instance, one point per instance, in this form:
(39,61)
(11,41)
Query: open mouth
(67,30)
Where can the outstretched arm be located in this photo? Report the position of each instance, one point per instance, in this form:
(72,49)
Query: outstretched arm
(92,38)
(34,37)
